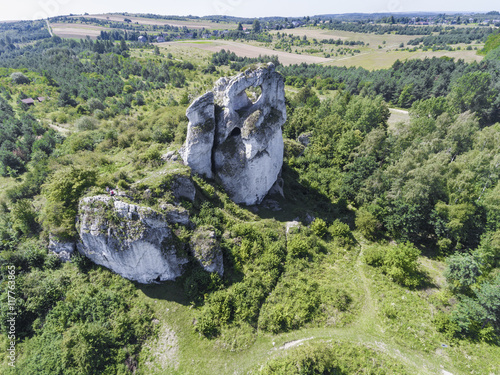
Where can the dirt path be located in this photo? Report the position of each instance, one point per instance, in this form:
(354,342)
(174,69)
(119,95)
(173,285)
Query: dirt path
(49,28)
(60,129)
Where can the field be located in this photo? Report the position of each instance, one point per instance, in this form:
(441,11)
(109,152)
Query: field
(76,31)
(378,51)
(384,58)
(180,350)
(193,24)
(249,50)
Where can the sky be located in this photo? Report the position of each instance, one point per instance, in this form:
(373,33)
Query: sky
(36,9)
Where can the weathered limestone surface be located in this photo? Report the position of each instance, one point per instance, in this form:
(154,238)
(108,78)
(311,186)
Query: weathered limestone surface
(133,241)
(245,147)
(63,249)
(200,135)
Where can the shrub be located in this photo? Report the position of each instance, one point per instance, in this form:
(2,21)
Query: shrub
(400,264)
(19,78)
(86,123)
(462,272)
(94,104)
(374,255)
(367,224)
(318,226)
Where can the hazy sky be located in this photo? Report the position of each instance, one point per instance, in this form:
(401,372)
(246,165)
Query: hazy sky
(33,9)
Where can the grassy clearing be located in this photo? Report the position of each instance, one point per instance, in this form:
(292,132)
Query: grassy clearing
(383,58)
(397,116)
(391,320)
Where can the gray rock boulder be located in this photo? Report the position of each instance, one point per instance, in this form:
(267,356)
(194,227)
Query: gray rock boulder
(246,152)
(63,249)
(176,215)
(183,187)
(206,249)
(134,241)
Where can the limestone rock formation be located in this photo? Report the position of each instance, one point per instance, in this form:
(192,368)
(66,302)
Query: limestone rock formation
(244,148)
(133,241)
(200,135)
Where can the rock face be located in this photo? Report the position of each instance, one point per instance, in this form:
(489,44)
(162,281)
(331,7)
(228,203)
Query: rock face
(200,135)
(135,242)
(243,149)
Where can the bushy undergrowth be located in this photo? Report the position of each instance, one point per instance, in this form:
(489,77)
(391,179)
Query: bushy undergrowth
(332,358)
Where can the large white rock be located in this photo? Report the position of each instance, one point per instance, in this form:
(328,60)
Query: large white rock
(200,135)
(135,242)
(247,148)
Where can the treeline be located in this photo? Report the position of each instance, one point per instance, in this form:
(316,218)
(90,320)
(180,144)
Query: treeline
(433,182)
(235,62)
(406,82)
(12,33)
(455,36)
(360,27)
(93,69)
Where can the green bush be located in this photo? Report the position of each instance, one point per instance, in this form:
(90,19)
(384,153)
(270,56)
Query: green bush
(319,227)
(332,358)
(19,78)
(374,255)
(400,264)
(367,224)
(86,123)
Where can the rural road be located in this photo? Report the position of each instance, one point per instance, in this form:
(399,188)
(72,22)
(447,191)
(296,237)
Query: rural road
(49,28)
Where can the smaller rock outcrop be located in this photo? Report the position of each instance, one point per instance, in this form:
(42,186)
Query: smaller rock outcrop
(183,187)
(206,249)
(63,249)
(133,241)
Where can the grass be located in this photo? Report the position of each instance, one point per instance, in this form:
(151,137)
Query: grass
(389,319)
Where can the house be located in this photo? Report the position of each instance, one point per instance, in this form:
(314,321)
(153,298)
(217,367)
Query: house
(160,39)
(143,39)
(28,101)
(41,98)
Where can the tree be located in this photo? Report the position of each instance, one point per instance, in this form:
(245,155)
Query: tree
(62,193)
(472,92)
(240,26)
(367,224)
(461,273)
(19,78)
(256,26)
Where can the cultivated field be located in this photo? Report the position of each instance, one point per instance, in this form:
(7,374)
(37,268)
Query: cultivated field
(384,58)
(379,51)
(76,31)
(193,24)
(248,50)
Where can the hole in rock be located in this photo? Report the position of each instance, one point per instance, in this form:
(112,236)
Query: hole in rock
(235,132)
(253,93)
